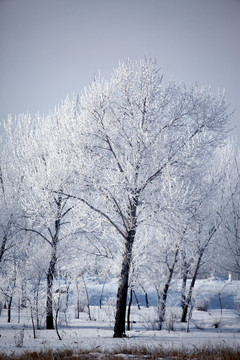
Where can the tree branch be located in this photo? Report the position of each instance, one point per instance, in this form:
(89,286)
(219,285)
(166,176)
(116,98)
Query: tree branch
(38,233)
(97,211)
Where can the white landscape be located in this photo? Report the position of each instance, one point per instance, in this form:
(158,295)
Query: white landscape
(128,191)
(214,327)
(119,180)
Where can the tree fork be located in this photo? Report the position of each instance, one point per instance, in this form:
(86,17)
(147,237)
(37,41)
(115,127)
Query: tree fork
(119,328)
(50,276)
(162,309)
(189,297)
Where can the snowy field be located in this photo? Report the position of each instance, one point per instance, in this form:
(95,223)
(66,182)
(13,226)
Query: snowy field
(214,327)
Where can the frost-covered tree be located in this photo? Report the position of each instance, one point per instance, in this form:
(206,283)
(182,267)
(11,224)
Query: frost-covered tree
(208,211)
(11,241)
(229,251)
(120,159)
(37,155)
(135,129)
(10,209)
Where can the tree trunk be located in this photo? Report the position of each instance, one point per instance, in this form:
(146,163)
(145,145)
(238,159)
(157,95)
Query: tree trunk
(136,298)
(78,307)
(162,307)
(66,303)
(146,300)
(56,320)
(52,266)
(201,252)
(184,283)
(129,310)
(146,297)
(189,296)
(3,247)
(87,298)
(49,317)
(119,327)
(33,325)
(50,277)
(53,261)
(19,310)
(37,308)
(9,307)
(101,296)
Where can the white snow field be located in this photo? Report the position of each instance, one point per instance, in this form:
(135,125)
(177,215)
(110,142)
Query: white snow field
(214,327)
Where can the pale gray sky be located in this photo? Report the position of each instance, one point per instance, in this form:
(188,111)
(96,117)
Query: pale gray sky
(51,48)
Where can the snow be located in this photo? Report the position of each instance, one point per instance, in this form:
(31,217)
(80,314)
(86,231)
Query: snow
(97,334)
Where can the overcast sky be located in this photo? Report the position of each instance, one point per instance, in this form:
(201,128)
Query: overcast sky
(51,48)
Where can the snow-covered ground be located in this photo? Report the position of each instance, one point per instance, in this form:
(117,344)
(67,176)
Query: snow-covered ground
(213,327)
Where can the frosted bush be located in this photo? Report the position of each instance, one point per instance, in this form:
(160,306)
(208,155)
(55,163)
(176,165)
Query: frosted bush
(18,338)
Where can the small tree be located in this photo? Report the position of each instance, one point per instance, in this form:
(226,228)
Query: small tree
(38,159)
(230,247)
(208,214)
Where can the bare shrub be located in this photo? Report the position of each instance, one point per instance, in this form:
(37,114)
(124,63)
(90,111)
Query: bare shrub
(18,338)
(170,320)
(201,305)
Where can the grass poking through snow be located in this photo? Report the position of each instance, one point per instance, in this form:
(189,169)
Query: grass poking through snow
(134,353)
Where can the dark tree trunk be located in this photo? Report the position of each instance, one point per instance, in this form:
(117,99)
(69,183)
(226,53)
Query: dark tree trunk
(184,283)
(189,296)
(52,265)
(146,300)
(129,310)
(119,327)
(78,307)
(3,247)
(162,307)
(9,307)
(56,322)
(50,275)
(146,297)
